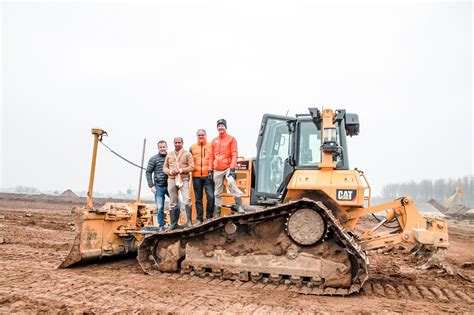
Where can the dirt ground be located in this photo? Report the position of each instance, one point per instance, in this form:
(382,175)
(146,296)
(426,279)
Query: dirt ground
(36,232)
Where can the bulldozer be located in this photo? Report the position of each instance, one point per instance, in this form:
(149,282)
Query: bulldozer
(302,225)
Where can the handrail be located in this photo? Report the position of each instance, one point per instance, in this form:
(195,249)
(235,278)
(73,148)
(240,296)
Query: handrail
(366,188)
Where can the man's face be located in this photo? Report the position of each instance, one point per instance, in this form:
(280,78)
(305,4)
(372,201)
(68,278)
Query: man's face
(163,148)
(201,135)
(178,144)
(221,128)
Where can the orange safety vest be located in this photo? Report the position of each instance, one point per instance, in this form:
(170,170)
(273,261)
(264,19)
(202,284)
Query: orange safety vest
(200,152)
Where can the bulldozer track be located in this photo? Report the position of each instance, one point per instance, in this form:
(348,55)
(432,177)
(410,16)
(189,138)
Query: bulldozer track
(293,282)
(391,290)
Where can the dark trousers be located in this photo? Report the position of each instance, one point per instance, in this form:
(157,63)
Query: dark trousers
(208,184)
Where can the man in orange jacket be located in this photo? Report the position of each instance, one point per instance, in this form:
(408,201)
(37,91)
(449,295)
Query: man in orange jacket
(200,152)
(222,164)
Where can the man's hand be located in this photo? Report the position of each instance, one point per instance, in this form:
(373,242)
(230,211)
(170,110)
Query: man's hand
(210,175)
(232,173)
(153,190)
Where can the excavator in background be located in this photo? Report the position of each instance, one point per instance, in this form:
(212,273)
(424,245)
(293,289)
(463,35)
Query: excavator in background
(458,193)
(459,211)
(302,230)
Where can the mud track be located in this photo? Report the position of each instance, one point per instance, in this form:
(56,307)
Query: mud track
(38,233)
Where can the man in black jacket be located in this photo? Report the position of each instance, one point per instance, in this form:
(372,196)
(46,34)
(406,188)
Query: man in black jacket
(159,182)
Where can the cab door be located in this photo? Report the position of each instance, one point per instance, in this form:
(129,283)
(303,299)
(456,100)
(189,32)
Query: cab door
(274,155)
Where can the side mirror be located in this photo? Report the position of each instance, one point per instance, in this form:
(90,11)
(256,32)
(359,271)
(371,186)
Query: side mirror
(352,124)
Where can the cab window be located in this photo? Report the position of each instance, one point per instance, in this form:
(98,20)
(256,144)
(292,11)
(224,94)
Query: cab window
(309,144)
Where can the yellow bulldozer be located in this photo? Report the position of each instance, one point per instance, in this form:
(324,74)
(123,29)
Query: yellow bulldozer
(302,231)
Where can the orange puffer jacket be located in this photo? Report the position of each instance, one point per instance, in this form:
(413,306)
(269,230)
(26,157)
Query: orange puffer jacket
(223,153)
(200,152)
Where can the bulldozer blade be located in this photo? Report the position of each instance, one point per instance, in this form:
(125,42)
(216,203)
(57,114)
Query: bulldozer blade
(107,232)
(74,255)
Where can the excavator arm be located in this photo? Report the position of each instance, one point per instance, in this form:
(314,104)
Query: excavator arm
(457,192)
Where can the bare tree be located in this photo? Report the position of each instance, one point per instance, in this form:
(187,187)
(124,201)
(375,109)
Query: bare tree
(439,189)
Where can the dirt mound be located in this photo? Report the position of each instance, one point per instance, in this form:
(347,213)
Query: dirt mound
(68,193)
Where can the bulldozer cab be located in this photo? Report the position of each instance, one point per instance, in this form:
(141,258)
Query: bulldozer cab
(286,144)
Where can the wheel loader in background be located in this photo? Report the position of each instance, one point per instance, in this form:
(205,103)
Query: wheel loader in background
(302,231)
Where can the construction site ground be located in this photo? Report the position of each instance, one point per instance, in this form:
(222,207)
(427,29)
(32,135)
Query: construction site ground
(36,233)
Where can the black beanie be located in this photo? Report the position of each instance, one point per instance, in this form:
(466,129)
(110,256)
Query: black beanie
(222,121)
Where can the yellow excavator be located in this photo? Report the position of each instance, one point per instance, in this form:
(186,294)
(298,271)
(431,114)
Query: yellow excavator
(458,211)
(302,228)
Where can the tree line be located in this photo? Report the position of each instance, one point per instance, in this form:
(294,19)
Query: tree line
(438,189)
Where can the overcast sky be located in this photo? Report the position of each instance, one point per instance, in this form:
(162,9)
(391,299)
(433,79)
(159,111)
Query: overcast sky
(159,70)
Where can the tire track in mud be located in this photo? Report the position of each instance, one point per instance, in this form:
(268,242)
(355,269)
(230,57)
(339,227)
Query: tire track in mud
(78,292)
(416,291)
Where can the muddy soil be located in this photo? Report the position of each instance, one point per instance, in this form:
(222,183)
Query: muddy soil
(36,232)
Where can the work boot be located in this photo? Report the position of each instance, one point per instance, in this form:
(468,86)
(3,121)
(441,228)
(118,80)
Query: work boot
(188,216)
(238,202)
(218,212)
(174,220)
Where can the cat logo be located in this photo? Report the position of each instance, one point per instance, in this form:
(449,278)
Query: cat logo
(346,194)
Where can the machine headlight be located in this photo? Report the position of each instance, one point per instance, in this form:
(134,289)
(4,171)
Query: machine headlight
(330,135)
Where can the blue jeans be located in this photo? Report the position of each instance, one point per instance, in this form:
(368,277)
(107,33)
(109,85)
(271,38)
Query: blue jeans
(208,184)
(161,192)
